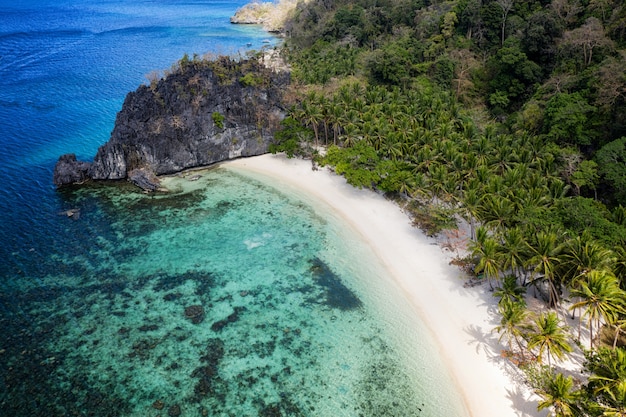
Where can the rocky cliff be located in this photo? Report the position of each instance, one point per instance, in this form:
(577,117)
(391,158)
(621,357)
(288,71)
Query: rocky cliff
(203,112)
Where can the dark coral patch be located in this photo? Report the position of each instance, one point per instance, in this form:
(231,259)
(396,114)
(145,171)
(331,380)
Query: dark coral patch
(337,294)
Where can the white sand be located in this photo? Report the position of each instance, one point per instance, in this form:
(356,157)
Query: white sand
(461,319)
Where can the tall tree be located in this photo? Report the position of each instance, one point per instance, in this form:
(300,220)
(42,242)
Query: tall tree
(514,252)
(588,38)
(601,298)
(489,260)
(514,324)
(506,6)
(544,259)
(549,337)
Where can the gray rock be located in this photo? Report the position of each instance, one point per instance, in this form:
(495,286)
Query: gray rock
(203,113)
(144,179)
(70,171)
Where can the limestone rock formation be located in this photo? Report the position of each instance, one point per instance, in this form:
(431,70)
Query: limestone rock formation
(202,113)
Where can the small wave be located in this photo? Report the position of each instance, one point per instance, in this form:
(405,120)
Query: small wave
(43,34)
(27,48)
(131,30)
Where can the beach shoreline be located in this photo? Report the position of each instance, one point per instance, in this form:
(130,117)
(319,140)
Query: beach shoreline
(460,319)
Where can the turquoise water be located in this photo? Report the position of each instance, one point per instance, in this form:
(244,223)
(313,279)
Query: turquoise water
(229,296)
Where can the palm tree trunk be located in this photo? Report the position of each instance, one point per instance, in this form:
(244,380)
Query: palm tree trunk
(521,348)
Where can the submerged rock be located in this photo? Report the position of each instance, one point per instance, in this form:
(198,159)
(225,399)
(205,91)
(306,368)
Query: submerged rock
(233,317)
(195,313)
(202,113)
(174,411)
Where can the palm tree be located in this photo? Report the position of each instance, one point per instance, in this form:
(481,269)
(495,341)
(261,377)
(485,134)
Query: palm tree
(581,255)
(620,265)
(617,397)
(471,206)
(489,261)
(514,251)
(601,298)
(544,257)
(549,337)
(513,323)
(559,395)
(311,116)
(608,380)
(497,211)
(510,291)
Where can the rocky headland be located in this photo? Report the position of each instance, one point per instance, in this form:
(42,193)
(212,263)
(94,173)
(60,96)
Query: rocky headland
(202,112)
(271,15)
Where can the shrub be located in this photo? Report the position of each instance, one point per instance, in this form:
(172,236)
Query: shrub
(218,119)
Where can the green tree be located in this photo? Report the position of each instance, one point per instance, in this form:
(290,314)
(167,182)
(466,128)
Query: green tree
(608,380)
(515,252)
(513,74)
(548,336)
(586,176)
(311,115)
(566,119)
(489,258)
(601,298)
(559,395)
(544,259)
(514,324)
(611,159)
(510,291)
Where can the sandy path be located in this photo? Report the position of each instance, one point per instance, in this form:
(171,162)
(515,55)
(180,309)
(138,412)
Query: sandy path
(461,319)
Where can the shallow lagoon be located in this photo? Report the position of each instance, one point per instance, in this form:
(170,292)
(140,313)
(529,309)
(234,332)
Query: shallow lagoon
(226,296)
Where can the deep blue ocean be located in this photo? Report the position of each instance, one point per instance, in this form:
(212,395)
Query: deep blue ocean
(227,296)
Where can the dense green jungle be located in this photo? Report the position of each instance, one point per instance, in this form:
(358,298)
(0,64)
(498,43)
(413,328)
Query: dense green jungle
(508,116)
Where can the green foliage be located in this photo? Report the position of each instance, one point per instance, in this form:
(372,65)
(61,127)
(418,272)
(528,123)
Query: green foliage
(393,64)
(443,71)
(323,61)
(349,20)
(586,176)
(403,133)
(611,161)
(606,389)
(251,80)
(218,119)
(579,215)
(292,138)
(566,119)
(541,33)
(513,75)
(432,220)
(357,164)
(559,394)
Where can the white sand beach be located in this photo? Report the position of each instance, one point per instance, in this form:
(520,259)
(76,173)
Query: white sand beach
(461,319)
